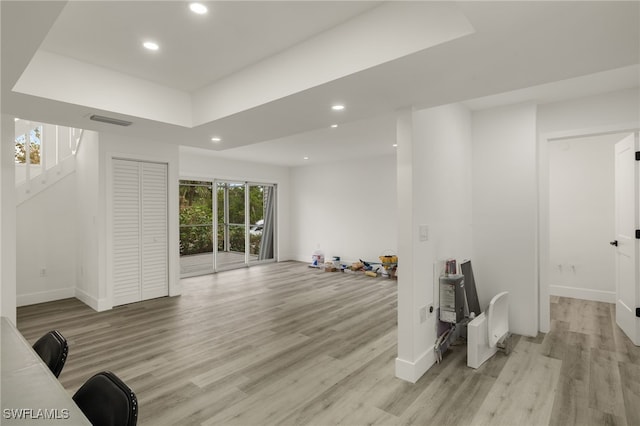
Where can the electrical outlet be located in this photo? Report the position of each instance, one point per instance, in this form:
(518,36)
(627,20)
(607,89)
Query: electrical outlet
(423,314)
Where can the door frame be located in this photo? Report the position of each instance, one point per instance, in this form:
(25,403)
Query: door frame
(544,263)
(105,228)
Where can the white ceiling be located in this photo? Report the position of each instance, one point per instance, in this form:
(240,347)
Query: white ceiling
(196,50)
(495,53)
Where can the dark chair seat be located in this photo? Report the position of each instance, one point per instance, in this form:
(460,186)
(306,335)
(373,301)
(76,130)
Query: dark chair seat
(53,349)
(107,401)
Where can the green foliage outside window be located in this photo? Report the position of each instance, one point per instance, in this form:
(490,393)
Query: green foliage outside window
(35,142)
(196,217)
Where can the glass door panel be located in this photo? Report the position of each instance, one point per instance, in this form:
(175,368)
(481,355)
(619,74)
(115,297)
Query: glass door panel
(231,225)
(261,219)
(245,224)
(196,228)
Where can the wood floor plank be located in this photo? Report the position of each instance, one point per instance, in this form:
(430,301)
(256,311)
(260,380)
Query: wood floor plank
(605,386)
(554,343)
(351,410)
(571,403)
(525,390)
(281,395)
(630,380)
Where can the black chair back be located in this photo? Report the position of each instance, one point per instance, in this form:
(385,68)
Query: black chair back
(107,401)
(53,349)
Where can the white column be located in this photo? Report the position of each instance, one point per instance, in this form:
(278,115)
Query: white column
(406,325)
(434,190)
(7,219)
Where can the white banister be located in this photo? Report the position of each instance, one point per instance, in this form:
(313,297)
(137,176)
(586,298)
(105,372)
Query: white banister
(27,153)
(43,154)
(78,140)
(55,159)
(57,144)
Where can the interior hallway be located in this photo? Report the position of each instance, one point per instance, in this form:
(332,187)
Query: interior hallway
(285,344)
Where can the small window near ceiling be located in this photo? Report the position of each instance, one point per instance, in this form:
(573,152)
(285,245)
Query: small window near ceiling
(28,145)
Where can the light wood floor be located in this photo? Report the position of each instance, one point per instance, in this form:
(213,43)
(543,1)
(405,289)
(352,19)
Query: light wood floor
(283,344)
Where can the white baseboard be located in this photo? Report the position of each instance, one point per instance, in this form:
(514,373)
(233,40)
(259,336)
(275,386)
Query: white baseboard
(44,296)
(96,304)
(412,371)
(583,293)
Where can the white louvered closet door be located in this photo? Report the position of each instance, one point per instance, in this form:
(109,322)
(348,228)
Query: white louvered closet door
(154,231)
(140,252)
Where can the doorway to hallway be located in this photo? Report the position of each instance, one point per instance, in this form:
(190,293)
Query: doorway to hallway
(582,248)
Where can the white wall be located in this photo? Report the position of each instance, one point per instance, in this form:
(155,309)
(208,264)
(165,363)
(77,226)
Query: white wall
(581,217)
(505,211)
(434,189)
(89,210)
(202,164)
(7,220)
(344,208)
(46,244)
(610,110)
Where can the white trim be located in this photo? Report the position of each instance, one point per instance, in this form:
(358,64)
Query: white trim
(96,304)
(583,293)
(544,314)
(44,296)
(412,371)
(592,131)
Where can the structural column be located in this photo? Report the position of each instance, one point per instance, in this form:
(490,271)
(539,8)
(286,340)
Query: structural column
(7,220)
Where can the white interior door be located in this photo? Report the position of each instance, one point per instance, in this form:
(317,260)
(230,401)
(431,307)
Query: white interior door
(140,231)
(626,200)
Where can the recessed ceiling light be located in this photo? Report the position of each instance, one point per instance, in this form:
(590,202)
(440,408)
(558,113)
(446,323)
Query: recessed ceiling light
(337,107)
(216,139)
(198,8)
(151,45)
(333,126)
(394,145)
(16,119)
(305,158)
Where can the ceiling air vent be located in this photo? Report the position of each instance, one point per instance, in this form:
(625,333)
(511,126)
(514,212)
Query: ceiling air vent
(110,120)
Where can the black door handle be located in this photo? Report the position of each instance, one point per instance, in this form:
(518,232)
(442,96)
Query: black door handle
(614,243)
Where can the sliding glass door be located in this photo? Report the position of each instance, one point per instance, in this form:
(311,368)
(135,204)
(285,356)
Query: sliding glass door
(245,224)
(243,217)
